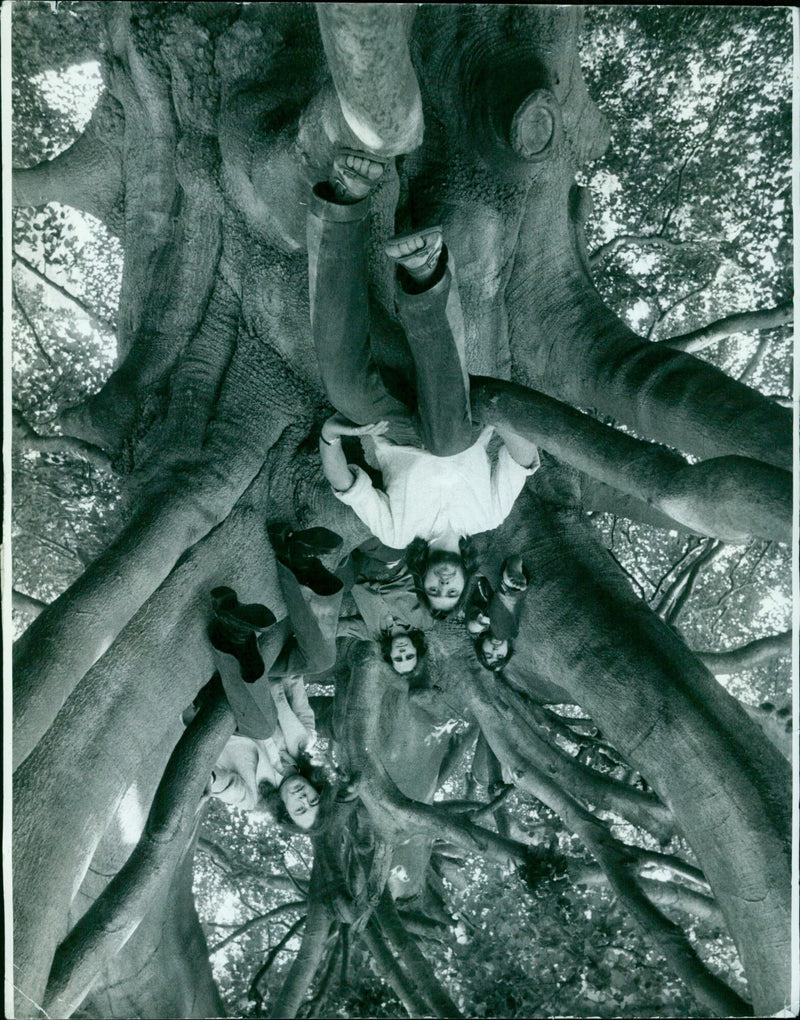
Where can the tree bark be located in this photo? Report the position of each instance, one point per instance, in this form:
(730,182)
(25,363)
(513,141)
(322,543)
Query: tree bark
(113,918)
(307,962)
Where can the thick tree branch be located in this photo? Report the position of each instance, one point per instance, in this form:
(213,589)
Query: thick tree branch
(741,322)
(568,344)
(732,498)
(307,962)
(416,966)
(414,1002)
(87,176)
(749,656)
(367,50)
(26,438)
(662,894)
(112,919)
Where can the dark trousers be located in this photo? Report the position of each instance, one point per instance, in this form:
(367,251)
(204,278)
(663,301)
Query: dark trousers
(338,245)
(303,643)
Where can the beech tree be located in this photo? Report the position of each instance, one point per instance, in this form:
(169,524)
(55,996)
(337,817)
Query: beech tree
(211,124)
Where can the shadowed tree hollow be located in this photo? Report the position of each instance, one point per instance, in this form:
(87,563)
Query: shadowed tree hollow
(212,123)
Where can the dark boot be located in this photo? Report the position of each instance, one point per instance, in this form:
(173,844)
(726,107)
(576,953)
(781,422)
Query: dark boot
(291,545)
(299,551)
(235,629)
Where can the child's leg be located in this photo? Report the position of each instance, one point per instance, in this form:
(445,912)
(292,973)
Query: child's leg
(434,325)
(313,602)
(251,703)
(338,238)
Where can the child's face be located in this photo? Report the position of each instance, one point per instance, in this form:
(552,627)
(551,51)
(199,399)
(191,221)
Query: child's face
(494,650)
(403,654)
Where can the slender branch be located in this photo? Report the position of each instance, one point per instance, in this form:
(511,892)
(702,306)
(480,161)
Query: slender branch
(640,241)
(695,292)
(254,922)
(33,331)
(26,603)
(485,812)
(682,569)
(740,322)
(713,552)
(107,324)
(253,990)
(754,653)
(754,360)
(675,569)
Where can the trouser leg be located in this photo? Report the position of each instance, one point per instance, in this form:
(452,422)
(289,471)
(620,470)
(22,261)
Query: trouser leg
(313,616)
(338,275)
(434,325)
(251,703)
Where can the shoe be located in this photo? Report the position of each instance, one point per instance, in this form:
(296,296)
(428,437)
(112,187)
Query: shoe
(355,174)
(297,549)
(515,574)
(420,260)
(235,629)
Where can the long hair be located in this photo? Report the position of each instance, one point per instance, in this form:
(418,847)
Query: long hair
(321,778)
(417,639)
(417,556)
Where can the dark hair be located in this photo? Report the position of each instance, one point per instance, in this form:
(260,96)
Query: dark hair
(320,777)
(415,636)
(417,554)
(497,666)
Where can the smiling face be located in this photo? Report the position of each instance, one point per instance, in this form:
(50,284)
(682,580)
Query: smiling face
(301,801)
(443,582)
(403,654)
(494,650)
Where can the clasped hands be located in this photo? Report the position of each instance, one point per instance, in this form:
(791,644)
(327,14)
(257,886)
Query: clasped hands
(337,426)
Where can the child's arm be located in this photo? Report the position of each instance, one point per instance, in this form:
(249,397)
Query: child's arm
(522,451)
(334,463)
